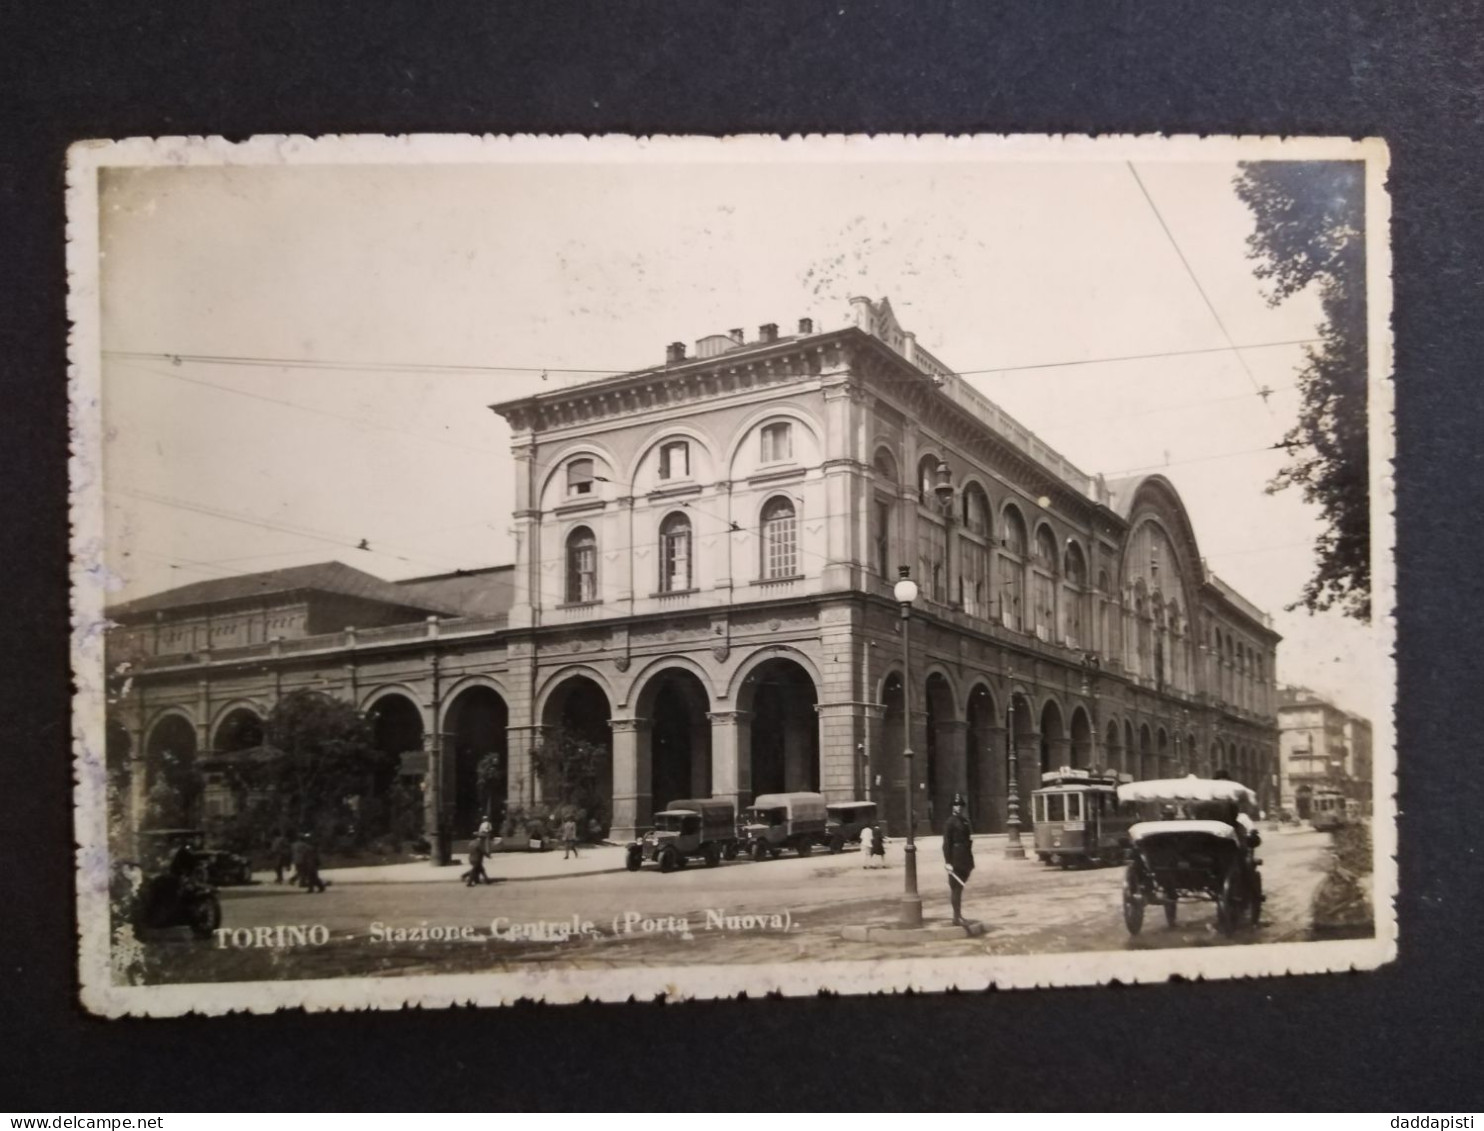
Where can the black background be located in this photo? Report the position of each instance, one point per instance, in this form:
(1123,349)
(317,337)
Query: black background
(1401,1038)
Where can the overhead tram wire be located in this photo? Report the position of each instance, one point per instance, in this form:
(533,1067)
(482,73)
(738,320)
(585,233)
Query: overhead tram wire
(428,367)
(1189,270)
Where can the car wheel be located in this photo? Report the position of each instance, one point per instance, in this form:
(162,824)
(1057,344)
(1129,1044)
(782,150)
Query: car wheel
(759,852)
(667,860)
(729,852)
(633,860)
(712,857)
(837,845)
(1133,901)
(1254,899)
(1170,906)
(1229,902)
(206,916)
(805,848)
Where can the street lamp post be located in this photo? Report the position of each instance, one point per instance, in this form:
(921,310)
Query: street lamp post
(905,591)
(1014,850)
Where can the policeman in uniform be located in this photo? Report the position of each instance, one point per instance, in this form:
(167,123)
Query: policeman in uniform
(958,855)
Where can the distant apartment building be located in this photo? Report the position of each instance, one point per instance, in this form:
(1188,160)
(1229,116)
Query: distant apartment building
(1320,745)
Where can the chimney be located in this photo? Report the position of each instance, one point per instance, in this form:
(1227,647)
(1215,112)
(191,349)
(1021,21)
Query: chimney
(806,325)
(768,332)
(735,335)
(674,352)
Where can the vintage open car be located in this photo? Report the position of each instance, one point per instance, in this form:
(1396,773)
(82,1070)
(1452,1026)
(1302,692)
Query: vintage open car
(1197,841)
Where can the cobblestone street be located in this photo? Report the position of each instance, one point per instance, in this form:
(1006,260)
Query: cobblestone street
(739,912)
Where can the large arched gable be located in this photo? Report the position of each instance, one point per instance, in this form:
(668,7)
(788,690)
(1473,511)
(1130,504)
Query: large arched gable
(1153,498)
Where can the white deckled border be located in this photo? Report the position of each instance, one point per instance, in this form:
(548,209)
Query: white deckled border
(563,984)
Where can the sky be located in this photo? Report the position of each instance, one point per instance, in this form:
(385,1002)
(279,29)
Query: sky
(1030,277)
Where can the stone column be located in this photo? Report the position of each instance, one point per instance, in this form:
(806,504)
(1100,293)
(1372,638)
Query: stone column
(633,803)
(731,750)
(843,742)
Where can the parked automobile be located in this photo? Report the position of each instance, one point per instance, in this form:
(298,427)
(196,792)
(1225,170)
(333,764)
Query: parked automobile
(1202,846)
(778,821)
(703,829)
(169,885)
(844,821)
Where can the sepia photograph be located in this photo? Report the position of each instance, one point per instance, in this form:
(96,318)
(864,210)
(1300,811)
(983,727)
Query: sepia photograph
(569,568)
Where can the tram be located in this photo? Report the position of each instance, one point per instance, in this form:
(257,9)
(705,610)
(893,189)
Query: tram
(1328,808)
(1078,819)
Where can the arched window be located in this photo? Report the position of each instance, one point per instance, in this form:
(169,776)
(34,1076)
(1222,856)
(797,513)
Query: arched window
(780,538)
(1044,582)
(1076,624)
(675,555)
(1012,584)
(976,510)
(582,566)
(927,477)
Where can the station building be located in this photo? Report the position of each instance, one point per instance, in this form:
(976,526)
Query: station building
(705,552)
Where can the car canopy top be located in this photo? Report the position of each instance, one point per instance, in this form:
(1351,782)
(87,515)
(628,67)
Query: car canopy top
(1189,788)
(1146,829)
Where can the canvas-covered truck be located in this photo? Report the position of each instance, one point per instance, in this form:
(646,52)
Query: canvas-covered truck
(778,821)
(693,828)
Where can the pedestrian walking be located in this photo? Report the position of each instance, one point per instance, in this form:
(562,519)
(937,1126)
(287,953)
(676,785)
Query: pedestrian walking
(296,859)
(958,855)
(868,847)
(282,853)
(486,834)
(309,866)
(878,845)
(476,873)
(569,837)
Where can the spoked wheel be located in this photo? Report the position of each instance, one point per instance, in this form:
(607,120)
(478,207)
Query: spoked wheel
(1229,901)
(632,861)
(1133,901)
(1170,906)
(1254,898)
(206,916)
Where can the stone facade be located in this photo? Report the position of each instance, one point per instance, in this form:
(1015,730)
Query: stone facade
(704,560)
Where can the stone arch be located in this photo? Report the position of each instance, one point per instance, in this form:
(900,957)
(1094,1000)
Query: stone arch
(675,701)
(761,656)
(370,697)
(943,748)
(557,463)
(884,464)
(576,701)
(238,727)
(173,781)
(1026,739)
(1082,738)
(476,754)
(771,411)
(634,685)
(1114,756)
(667,433)
(780,695)
(984,768)
(553,680)
(1055,745)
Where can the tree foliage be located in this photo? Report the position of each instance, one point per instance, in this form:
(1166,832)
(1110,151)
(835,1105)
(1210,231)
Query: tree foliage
(326,768)
(1309,231)
(571,769)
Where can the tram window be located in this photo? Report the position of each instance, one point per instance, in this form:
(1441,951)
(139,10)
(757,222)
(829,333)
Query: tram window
(1055,810)
(1074,807)
(1041,807)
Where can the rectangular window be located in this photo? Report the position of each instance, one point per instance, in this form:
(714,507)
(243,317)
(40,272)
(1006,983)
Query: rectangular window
(580,477)
(932,552)
(1054,807)
(1074,807)
(675,460)
(783,550)
(1040,811)
(777,442)
(975,579)
(676,577)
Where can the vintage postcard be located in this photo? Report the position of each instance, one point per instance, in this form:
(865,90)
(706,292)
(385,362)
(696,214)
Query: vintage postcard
(558,568)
